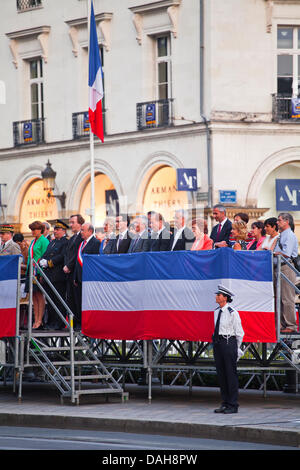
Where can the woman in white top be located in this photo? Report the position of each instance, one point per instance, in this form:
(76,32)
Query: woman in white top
(271,229)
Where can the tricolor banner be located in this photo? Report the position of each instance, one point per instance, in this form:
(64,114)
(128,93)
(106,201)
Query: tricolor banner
(95,81)
(8,294)
(171,295)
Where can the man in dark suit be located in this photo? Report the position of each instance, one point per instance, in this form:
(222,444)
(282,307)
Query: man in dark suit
(221,232)
(90,245)
(183,237)
(75,223)
(52,264)
(123,238)
(141,241)
(160,235)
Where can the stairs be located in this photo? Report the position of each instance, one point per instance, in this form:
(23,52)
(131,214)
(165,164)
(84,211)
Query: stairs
(71,365)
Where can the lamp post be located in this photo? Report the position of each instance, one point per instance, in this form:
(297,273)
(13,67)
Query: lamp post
(48,177)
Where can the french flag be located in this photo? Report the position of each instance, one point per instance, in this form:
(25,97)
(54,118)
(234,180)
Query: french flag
(171,295)
(95,82)
(8,294)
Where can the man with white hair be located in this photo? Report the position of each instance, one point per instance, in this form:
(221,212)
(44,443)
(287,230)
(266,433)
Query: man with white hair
(90,245)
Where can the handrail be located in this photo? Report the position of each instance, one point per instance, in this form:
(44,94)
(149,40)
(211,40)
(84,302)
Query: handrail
(69,324)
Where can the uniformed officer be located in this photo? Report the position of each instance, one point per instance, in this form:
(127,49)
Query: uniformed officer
(227,339)
(52,264)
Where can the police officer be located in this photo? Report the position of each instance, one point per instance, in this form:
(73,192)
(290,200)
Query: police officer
(52,264)
(227,339)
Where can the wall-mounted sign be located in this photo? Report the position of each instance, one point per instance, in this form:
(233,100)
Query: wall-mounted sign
(27,131)
(112,202)
(150,114)
(288,195)
(86,122)
(295,108)
(187,179)
(227,197)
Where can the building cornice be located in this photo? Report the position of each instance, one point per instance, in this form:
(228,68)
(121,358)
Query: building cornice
(40,33)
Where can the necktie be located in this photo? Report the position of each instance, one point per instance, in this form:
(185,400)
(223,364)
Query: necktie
(217,327)
(218,233)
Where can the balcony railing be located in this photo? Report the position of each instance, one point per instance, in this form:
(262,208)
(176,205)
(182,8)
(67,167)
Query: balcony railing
(81,124)
(28,132)
(282,108)
(152,114)
(23,5)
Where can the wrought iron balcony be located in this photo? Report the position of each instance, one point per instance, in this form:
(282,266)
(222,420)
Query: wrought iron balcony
(81,124)
(282,108)
(23,5)
(152,114)
(29,132)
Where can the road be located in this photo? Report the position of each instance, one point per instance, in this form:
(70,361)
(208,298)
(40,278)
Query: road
(30,438)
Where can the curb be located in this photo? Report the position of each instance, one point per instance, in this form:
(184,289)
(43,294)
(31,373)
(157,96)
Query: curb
(254,434)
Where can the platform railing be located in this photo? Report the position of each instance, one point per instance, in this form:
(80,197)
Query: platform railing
(33,278)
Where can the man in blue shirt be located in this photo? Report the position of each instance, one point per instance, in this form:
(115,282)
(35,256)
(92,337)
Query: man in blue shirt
(287,246)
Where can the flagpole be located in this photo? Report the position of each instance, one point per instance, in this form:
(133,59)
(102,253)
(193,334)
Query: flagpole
(92,154)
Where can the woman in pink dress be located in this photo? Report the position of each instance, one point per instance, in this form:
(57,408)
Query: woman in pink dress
(202,240)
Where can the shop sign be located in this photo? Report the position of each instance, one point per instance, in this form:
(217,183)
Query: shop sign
(187,179)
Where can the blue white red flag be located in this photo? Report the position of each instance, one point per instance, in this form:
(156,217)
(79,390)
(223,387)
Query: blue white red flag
(171,295)
(95,82)
(8,294)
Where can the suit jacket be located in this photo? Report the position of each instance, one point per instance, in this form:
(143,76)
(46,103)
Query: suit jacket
(71,251)
(55,255)
(122,246)
(11,248)
(184,242)
(91,248)
(162,242)
(109,247)
(139,244)
(224,234)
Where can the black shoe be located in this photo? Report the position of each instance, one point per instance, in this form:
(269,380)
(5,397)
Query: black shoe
(221,409)
(228,411)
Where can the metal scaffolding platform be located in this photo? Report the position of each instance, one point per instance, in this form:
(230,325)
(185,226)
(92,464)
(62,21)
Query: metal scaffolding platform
(79,365)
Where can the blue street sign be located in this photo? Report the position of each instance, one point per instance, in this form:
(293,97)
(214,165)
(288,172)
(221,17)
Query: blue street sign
(227,197)
(288,195)
(186,179)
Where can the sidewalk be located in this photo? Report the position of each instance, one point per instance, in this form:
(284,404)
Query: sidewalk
(271,420)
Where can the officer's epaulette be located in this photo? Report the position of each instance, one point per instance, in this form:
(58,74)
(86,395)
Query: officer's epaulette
(230,309)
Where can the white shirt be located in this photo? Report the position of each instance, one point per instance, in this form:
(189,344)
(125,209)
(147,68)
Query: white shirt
(230,324)
(177,236)
(268,241)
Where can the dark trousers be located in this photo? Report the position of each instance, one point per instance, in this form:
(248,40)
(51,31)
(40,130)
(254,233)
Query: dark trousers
(71,297)
(225,354)
(53,317)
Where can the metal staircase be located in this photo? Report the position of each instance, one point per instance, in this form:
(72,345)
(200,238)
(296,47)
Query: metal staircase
(64,357)
(74,370)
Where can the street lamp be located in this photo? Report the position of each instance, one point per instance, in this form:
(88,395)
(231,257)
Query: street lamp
(48,176)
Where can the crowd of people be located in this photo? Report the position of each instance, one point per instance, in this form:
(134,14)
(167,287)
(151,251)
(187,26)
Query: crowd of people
(61,258)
